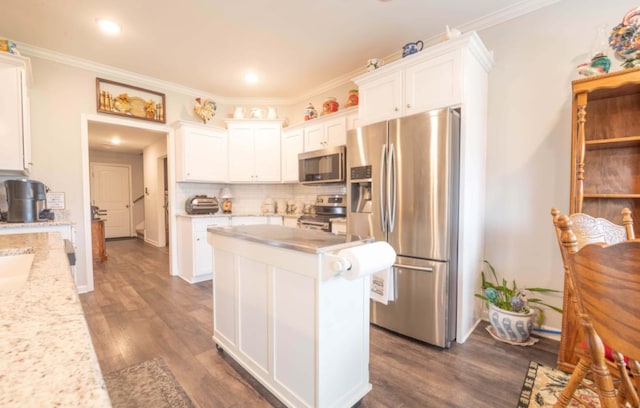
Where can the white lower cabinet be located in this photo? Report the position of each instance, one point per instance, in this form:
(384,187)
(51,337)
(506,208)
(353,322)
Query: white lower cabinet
(256,220)
(305,338)
(194,253)
(290,222)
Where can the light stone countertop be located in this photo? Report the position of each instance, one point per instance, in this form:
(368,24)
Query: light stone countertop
(33,224)
(46,355)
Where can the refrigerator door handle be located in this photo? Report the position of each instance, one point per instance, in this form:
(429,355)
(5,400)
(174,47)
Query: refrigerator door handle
(392,185)
(413,268)
(383,171)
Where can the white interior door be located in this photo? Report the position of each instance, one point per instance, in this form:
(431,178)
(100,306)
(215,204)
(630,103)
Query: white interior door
(111,191)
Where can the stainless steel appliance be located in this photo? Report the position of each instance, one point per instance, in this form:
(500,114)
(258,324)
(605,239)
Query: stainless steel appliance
(326,208)
(201,204)
(322,166)
(402,188)
(26,199)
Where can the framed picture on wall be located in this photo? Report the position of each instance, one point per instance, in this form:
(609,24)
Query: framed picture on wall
(130,101)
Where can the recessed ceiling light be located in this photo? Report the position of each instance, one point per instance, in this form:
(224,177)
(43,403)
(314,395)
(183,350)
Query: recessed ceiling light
(108,27)
(115,140)
(251,78)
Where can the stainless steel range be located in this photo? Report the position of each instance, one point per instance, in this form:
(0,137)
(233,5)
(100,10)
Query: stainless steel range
(326,208)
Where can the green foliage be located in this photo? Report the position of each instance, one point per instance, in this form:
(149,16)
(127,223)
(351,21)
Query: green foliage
(508,296)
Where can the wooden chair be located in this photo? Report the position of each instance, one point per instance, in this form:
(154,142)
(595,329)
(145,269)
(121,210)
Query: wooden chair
(588,230)
(606,281)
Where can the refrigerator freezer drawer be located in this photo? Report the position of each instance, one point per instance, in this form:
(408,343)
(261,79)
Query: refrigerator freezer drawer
(420,310)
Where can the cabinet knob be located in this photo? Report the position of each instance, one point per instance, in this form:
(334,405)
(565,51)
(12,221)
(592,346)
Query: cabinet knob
(408,105)
(396,109)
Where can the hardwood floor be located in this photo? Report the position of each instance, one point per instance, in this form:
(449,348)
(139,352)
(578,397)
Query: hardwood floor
(137,312)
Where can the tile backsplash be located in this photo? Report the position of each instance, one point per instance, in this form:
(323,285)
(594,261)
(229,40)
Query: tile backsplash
(248,198)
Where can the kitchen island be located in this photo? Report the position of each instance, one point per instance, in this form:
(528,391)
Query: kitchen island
(46,355)
(284,313)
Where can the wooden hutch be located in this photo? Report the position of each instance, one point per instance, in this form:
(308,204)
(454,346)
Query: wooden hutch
(605,171)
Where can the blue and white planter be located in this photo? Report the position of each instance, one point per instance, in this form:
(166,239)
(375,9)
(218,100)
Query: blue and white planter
(511,326)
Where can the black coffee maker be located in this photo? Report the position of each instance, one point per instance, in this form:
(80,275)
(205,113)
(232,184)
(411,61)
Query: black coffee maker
(26,199)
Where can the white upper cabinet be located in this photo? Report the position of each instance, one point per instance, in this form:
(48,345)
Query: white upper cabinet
(292,145)
(325,131)
(434,78)
(201,153)
(15,131)
(254,151)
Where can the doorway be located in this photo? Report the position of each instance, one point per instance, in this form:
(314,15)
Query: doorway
(136,139)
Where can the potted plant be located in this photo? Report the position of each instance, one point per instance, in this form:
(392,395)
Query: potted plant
(512,310)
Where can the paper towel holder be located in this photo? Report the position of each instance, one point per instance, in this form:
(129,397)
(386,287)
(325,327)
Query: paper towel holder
(334,265)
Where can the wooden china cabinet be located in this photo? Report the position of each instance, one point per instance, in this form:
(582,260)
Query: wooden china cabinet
(605,171)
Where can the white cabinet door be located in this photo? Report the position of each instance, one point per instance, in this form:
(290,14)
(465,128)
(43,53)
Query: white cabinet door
(335,132)
(290,222)
(249,220)
(195,255)
(381,99)
(326,133)
(15,154)
(254,152)
(267,154)
(201,154)
(313,137)
(292,145)
(432,84)
(241,154)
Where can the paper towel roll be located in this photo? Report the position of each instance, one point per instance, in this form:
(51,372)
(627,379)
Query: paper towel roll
(367,259)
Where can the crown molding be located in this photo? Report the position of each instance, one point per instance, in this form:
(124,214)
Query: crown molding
(490,20)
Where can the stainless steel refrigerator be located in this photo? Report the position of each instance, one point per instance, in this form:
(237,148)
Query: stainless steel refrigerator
(402,187)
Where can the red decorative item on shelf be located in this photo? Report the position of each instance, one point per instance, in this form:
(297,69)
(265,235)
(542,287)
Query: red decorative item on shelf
(330,105)
(352,99)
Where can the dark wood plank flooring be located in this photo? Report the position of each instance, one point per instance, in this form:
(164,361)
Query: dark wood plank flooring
(137,312)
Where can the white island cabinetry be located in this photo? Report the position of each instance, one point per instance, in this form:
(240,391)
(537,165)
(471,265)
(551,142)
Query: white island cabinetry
(303,335)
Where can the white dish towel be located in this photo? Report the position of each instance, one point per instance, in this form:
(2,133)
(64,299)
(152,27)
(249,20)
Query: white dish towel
(382,286)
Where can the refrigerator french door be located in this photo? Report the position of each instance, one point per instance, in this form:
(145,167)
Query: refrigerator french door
(402,187)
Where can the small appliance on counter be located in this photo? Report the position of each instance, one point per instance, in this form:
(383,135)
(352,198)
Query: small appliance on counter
(201,204)
(26,199)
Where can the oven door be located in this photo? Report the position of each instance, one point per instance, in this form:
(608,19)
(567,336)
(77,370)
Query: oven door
(314,224)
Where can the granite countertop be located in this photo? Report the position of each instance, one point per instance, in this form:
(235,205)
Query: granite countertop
(298,239)
(46,354)
(5,224)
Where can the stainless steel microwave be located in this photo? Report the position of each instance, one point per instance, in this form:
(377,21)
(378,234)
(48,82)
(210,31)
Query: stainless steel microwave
(322,166)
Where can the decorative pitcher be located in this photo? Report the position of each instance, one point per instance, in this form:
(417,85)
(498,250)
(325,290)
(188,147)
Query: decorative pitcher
(411,48)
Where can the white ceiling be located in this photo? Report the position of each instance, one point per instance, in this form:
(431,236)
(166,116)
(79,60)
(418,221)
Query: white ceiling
(296,47)
(132,140)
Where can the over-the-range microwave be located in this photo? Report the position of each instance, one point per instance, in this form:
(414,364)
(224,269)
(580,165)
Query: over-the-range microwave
(322,166)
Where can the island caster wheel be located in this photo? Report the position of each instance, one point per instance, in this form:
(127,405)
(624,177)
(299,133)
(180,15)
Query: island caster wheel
(219,348)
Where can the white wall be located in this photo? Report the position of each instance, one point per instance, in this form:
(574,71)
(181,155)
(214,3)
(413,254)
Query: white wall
(153,157)
(529,134)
